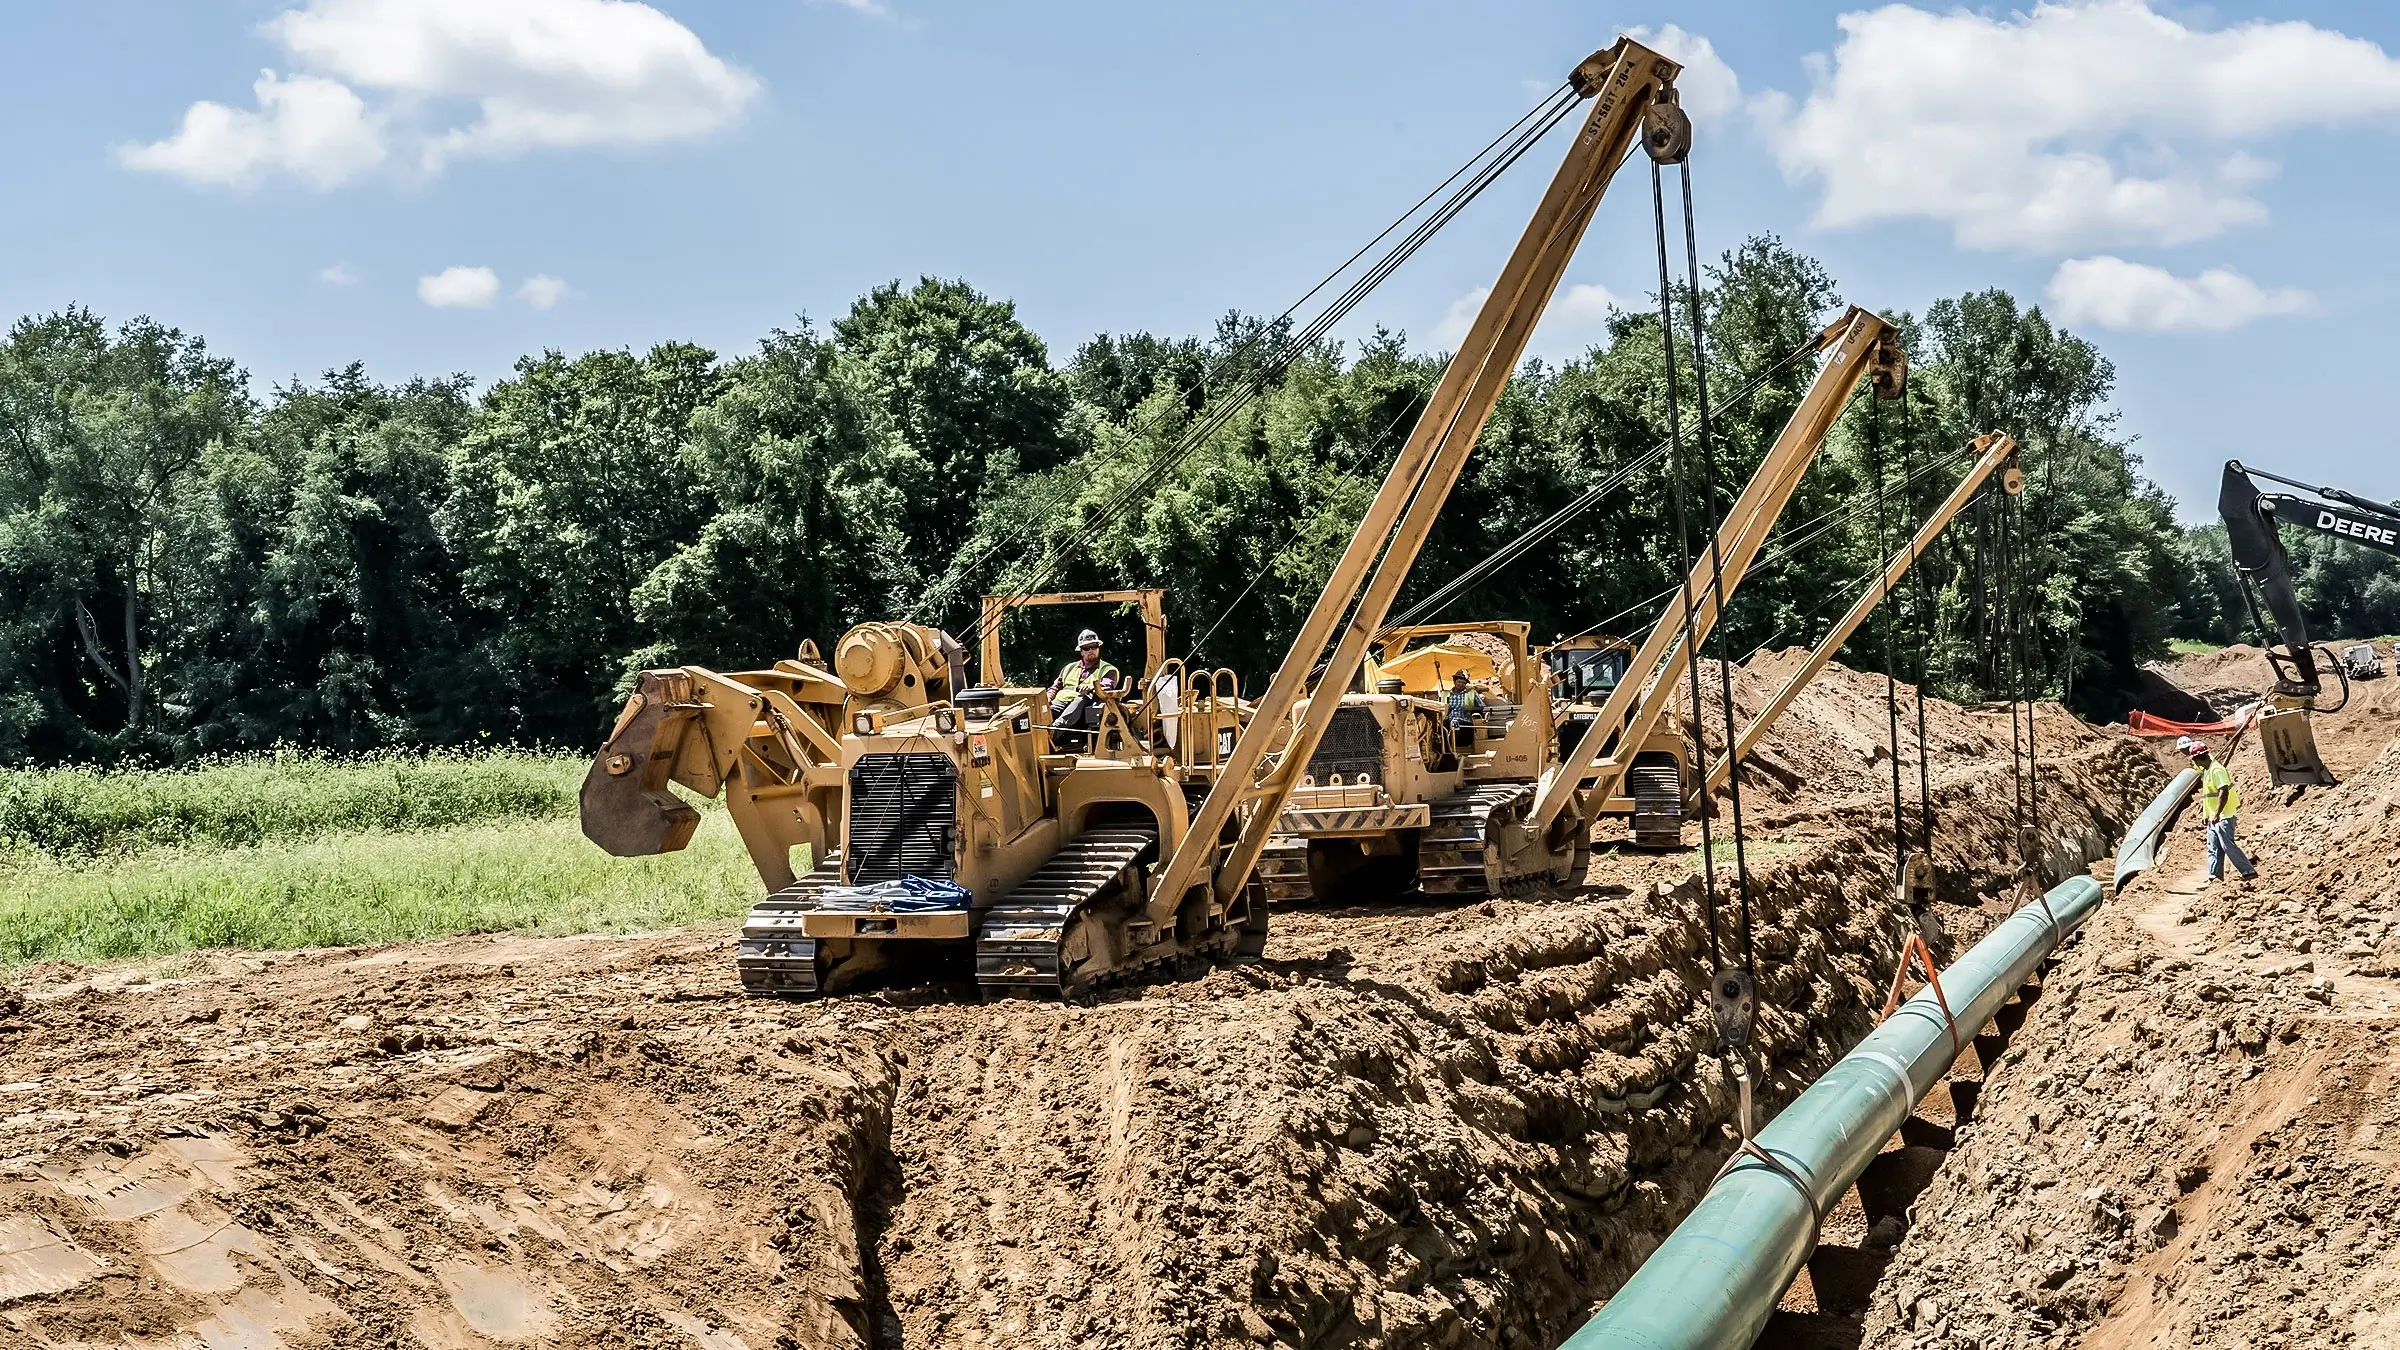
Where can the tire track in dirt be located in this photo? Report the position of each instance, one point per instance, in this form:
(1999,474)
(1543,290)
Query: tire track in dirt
(1416,1126)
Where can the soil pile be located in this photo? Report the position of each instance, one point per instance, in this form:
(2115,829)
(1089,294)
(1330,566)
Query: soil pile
(2191,1144)
(1413,1125)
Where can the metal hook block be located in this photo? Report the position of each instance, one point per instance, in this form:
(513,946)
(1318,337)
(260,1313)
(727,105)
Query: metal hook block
(1734,1001)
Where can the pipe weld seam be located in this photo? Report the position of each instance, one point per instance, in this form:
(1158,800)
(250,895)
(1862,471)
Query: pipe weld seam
(1902,1087)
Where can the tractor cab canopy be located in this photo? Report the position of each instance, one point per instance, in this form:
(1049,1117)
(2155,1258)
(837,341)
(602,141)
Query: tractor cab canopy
(1491,654)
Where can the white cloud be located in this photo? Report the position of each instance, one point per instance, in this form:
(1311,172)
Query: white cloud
(316,130)
(1576,317)
(873,7)
(340,274)
(541,291)
(1452,329)
(2135,298)
(452,78)
(1581,308)
(1707,86)
(460,288)
(2070,126)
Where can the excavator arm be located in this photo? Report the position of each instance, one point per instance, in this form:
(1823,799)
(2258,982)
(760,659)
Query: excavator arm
(1632,94)
(1999,452)
(1859,345)
(2264,572)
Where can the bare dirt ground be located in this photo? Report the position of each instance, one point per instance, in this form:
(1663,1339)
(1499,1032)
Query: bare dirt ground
(1414,1125)
(2196,1139)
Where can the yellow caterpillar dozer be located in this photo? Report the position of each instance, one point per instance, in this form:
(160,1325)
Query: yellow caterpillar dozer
(965,824)
(968,821)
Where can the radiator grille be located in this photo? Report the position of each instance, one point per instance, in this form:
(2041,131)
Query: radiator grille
(1353,745)
(903,818)
(1572,731)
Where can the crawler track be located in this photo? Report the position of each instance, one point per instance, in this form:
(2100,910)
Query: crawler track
(1047,935)
(773,956)
(1461,856)
(1282,871)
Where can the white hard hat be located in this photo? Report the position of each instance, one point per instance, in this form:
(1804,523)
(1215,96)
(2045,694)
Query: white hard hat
(2190,745)
(1086,638)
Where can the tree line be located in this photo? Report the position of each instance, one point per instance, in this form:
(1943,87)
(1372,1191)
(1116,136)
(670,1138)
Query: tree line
(188,567)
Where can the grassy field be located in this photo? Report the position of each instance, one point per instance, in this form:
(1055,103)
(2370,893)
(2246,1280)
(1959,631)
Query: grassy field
(301,851)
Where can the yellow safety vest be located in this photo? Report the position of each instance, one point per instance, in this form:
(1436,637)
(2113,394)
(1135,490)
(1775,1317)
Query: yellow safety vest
(2213,779)
(1074,679)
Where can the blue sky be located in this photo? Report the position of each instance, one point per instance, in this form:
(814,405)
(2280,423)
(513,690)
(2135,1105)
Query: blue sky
(434,186)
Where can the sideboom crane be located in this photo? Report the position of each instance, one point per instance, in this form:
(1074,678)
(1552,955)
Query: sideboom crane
(1860,345)
(1632,89)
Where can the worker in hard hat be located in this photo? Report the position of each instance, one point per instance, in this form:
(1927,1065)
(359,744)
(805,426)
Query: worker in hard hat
(2219,804)
(1465,709)
(1075,694)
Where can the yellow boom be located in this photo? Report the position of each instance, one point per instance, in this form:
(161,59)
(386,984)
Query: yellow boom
(1631,88)
(1999,451)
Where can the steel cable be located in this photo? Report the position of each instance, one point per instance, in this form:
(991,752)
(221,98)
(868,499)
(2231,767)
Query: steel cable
(1510,550)
(1795,539)
(1716,569)
(1546,113)
(1528,131)
(1683,554)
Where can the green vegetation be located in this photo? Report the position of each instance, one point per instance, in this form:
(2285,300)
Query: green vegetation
(194,567)
(307,851)
(279,798)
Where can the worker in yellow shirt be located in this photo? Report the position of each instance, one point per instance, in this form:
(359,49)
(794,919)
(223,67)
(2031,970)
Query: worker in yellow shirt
(2219,804)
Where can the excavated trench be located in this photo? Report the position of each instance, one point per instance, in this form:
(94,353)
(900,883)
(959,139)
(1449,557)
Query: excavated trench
(1411,1126)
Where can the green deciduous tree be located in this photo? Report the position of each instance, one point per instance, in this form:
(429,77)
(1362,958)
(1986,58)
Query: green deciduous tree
(570,486)
(101,436)
(354,564)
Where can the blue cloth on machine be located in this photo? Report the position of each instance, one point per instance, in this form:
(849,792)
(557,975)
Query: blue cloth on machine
(907,895)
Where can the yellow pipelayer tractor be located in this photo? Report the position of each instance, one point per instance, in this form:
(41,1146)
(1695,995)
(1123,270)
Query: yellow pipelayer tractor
(1654,792)
(1519,816)
(1395,799)
(963,825)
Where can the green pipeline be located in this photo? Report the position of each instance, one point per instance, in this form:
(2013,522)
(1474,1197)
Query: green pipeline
(1717,1278)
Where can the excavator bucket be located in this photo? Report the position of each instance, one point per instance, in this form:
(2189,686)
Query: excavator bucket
(627,807)
(2291,750)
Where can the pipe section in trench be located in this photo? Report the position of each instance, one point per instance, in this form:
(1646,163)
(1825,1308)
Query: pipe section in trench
(1715,1281)
(2139,852)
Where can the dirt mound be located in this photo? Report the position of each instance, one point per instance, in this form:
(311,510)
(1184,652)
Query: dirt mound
(2191,1145)
(2221,681)
(1411,1126)
(1830,755)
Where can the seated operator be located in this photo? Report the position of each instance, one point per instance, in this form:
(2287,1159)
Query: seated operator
(1466,706)
(1075,694)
